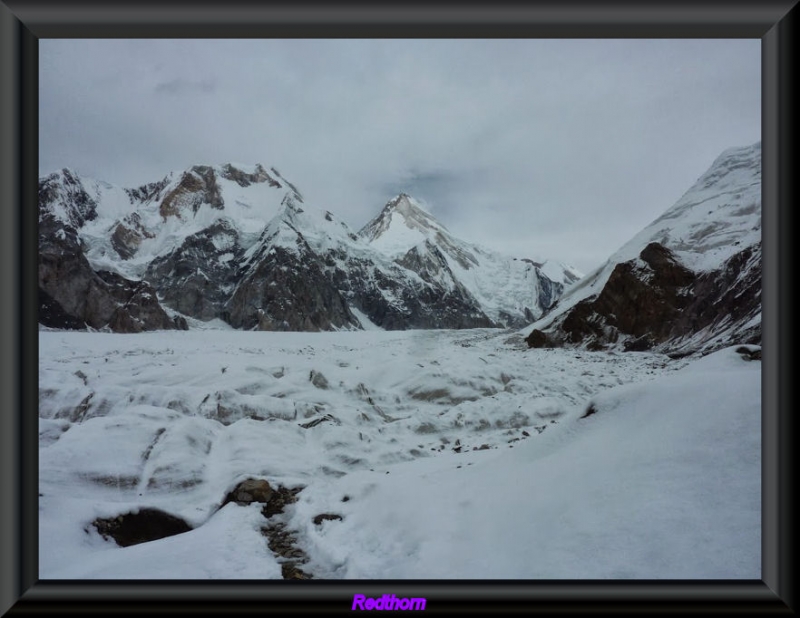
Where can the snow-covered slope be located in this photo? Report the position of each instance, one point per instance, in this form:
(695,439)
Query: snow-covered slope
(420,454)
(509,289)
(707,247)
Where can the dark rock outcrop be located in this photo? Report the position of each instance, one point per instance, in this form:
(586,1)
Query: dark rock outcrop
(97,299)
(288,291)
(198,277)
(140,527)
(197,186)
(128,235)
(52,314)
(657,303)
(64,190)
(249,491)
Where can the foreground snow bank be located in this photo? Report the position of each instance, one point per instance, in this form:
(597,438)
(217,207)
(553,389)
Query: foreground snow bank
(661,481)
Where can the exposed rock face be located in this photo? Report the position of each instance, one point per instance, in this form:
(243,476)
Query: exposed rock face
(197,186)
(97,299)
(128,235)
(65,191)
(197,278)
(288,292)
(244,179)
(52,314)
(390,299)
(656,302)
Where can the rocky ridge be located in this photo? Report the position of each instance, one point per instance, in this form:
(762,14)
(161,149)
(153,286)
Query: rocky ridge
(689,282)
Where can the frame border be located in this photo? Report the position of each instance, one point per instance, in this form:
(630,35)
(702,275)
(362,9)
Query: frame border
(22,24)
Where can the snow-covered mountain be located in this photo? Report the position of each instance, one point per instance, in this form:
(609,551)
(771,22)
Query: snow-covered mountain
(510,290)
(237,243)
(689,281)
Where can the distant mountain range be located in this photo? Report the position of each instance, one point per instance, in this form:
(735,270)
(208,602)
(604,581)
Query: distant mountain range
(689,282)
(237,244)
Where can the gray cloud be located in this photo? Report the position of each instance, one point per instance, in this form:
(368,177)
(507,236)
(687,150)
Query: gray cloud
(184,86)
(548,148)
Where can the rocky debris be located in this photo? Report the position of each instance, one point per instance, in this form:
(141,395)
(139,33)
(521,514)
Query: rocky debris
(281,497)
(281,540)
(283,543)
(145,525)
(318,519)
(249,491)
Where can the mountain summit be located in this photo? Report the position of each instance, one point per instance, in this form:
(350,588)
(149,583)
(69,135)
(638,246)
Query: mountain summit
(235,246)
(511,290)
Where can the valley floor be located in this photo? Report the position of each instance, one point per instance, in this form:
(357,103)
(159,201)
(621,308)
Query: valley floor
(431,454)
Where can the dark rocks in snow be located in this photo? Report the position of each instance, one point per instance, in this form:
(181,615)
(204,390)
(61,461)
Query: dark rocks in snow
(538,339)
(749,353)
(249,491)
(244,179)
(145,525)
(281,497)
(320,420)
(638,300)
(318,380)
(318,519)
(590,409)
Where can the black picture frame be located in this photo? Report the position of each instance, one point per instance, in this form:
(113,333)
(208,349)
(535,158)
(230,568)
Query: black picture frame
(22,23)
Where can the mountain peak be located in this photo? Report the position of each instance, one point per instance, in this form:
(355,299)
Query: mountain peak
(402,224)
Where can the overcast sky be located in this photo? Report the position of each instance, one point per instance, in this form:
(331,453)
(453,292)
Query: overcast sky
(561,149)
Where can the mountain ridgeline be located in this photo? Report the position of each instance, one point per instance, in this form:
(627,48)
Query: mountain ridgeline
(238,244)
(689,282)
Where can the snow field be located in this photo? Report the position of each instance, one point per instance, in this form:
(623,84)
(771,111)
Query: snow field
(424,432)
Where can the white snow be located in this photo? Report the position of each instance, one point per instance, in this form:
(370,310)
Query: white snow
(662,481)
